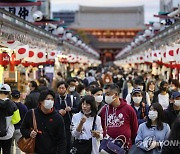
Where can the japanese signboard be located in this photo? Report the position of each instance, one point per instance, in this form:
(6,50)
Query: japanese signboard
(24,12)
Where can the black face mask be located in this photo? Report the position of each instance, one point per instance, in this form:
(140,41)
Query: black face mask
(164,89)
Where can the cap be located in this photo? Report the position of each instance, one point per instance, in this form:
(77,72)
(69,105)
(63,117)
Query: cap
(175,94)
(15,94)
(136,90)
(5,87)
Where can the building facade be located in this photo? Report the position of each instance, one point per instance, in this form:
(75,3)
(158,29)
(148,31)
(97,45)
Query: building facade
(109,29)
(67,16)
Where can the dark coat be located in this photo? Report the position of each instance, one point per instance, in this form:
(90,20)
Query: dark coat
(141,113)
(170,115)
(50,138)
(59,105)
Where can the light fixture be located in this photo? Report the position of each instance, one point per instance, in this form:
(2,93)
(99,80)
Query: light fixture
(37,16)
(68,35)
(156,25)
(147,32)
(60,30)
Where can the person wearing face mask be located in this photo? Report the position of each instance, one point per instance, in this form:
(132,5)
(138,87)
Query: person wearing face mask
(107,79)
(174,85)
(118,118)
(162,95)
(50,137)
(98,95)
(138,105)
(72,90)
(66,106)
(151,89)
(173,110)
(139,83)
(152,133)
(127,88)
(86,128)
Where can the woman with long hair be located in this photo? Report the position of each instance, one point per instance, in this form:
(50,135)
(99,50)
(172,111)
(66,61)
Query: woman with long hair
(152,133)
(86,128)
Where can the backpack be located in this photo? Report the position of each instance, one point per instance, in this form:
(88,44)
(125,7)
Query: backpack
(3,124)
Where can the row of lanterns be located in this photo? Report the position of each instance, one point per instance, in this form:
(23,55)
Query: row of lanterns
(148,33)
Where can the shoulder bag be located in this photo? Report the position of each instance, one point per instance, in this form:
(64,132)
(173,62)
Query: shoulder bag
(109,145)
(27,145)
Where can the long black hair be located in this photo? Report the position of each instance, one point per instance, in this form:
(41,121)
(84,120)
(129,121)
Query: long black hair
(89,100)
(157,107)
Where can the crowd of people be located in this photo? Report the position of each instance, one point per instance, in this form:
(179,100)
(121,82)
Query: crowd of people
(76,113)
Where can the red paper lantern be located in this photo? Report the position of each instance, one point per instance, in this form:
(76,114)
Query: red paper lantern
(14,61)
(4,59)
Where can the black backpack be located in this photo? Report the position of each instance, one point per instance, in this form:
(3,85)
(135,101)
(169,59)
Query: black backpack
(3,129)
(3,124)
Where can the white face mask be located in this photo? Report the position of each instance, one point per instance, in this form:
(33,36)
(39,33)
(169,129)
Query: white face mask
(153,115)
(98,98)
(177,103)
(141,87)
(72,88)
(137,99)
(48,104)
(109,99)
(107,80)
(172,88)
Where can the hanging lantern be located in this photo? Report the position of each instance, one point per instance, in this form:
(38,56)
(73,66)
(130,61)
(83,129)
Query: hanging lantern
(133,44)
(147,33)
(4,59)
(156,26)
(141,38)
(60,31)
(14,61)
(69,36)
(74,39)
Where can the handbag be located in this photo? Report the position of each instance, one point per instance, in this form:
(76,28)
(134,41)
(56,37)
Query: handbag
(27,145)
(83,146)
(112,146)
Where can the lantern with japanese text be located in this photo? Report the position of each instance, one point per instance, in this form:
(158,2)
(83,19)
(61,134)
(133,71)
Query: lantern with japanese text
(4,59)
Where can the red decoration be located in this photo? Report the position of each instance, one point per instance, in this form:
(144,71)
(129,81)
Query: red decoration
(26,64)
(10,42)
(14,61)
(171,53)
(40,54)
(21,51)
(52,53)
(4,59)
(31,53)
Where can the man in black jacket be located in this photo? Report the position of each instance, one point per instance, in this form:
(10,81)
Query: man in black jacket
(72,90)
(50,137)
(31,100)
(173,110)
(66,108)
